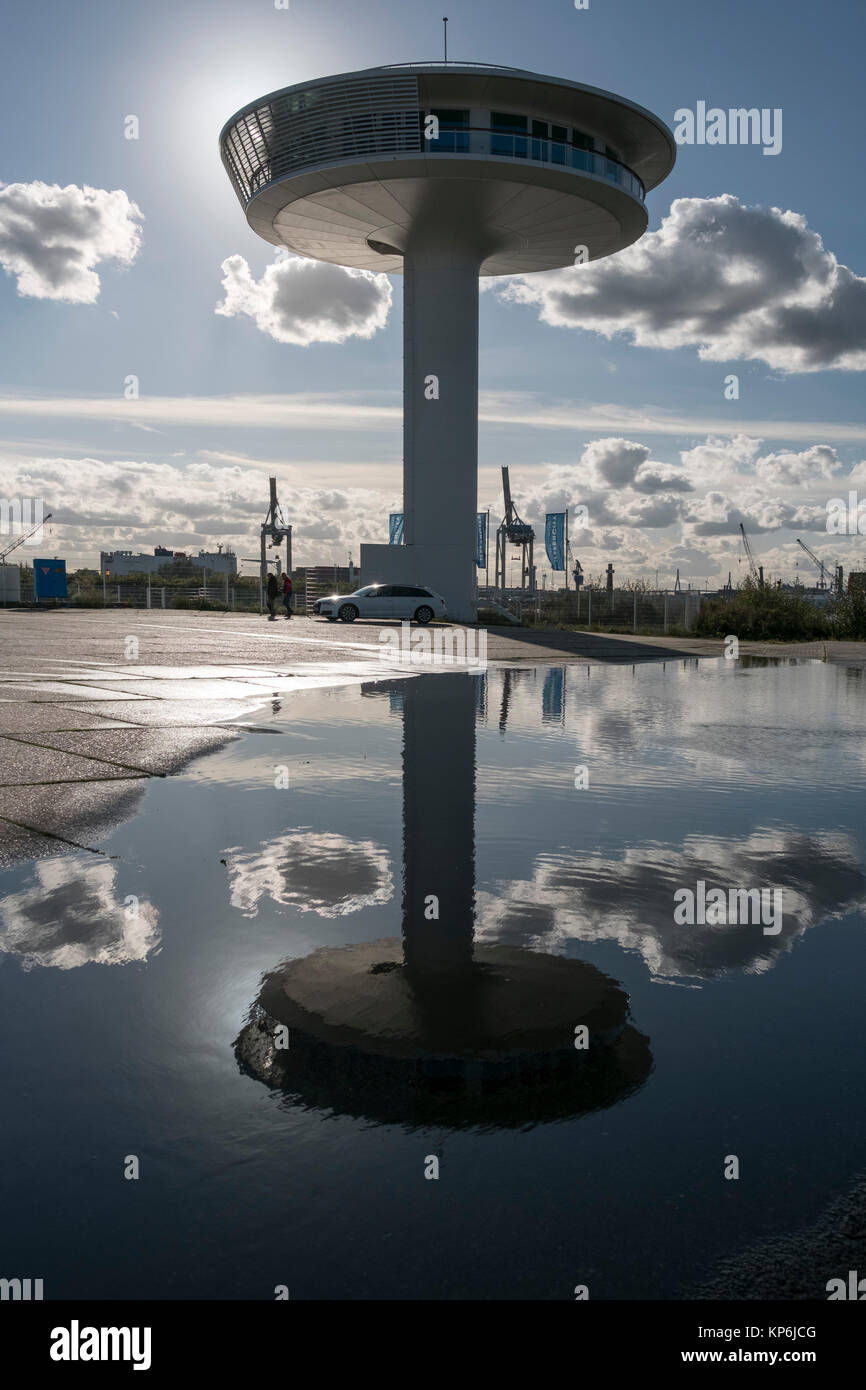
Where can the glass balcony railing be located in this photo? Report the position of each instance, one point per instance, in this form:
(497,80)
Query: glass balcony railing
(520,145)
(297,154)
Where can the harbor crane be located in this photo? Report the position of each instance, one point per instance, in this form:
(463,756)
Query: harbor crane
(274,528)
(756,571)
(835,583)
(21,539)
(513,531)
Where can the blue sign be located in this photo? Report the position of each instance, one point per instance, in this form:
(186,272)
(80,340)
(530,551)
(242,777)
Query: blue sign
(49,579)
(481,540)
(551,696)
(554,539)
(395,528)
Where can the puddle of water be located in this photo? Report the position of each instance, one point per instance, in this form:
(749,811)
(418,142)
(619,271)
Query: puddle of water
(290,880)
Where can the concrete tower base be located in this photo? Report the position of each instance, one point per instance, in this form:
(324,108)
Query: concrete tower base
(444,568)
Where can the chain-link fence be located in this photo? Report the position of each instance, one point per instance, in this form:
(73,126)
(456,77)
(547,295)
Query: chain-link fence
(638,610)
(244,597)
(627,610)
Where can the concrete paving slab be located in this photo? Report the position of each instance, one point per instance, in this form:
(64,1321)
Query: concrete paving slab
(18,843)
(168,714)
(156,751)
(53,691)
(18,718)
(81,812)
(25,764)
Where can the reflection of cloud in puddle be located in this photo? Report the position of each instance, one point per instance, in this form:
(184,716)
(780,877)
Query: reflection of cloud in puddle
(311,872)
(630,899)
(70,916)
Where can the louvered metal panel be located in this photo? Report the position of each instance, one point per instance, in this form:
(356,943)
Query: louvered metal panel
(325,124)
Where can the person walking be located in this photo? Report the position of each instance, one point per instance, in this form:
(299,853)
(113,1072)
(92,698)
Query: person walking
(272,593)
(287,593)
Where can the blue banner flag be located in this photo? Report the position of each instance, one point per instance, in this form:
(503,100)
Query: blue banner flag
(551,696)
(481,540)
(554,539)
(395,528)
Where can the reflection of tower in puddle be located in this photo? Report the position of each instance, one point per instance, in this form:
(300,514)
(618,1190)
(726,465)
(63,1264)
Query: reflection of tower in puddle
(433,1027)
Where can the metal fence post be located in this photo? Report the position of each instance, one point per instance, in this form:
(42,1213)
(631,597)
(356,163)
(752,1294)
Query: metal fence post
(634,618)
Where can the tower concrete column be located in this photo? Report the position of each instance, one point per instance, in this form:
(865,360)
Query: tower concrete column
(438,825)
(440,416)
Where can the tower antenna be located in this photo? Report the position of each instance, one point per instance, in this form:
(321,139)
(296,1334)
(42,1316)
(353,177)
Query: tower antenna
(445,27)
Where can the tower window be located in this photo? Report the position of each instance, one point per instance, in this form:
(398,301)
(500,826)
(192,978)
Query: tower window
(509,141)
(453,130)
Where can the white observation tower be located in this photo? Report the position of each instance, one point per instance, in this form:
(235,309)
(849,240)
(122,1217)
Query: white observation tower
(444,172)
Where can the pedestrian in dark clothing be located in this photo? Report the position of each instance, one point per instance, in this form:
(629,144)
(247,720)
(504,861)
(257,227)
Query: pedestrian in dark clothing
(273,590)
(287,593)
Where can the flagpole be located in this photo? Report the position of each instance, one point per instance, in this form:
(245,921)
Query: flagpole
(566,548)
(487,552)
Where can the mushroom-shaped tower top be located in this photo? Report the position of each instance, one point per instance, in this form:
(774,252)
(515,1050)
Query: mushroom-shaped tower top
(360,168)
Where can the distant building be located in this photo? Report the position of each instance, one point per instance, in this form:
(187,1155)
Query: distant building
(116,564)
(10,583)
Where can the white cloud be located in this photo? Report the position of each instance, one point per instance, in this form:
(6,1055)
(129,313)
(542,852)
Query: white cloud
(717,454)
(52,237)
(191,503)
(716,514)
(310,872)
(614,461)
(787,469)
(301,301)
(70,914)
(735,282)
(102,504)
(594,897)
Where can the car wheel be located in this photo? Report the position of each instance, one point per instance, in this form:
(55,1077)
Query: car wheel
(424,614)
(348,613)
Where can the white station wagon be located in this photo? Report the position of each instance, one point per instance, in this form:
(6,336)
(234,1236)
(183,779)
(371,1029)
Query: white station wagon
(399,602)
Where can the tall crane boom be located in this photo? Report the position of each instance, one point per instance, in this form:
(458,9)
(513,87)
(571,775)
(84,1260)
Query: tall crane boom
(513,531)
(21,539)
(753,568)
(506,493)
(822,582)
(836,582)
(274,528)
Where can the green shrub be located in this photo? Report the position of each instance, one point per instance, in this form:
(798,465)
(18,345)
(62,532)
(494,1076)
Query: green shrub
(849,616)
(762,614)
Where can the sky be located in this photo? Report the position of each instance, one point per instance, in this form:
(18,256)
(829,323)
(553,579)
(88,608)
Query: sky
(602,385)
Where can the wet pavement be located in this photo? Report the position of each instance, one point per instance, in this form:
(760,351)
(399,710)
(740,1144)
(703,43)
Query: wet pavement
(432,882)
(91,702)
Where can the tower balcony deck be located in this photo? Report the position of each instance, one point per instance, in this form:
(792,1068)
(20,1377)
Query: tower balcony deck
(471,141)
